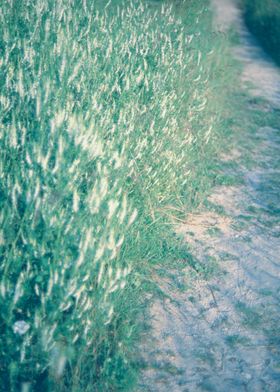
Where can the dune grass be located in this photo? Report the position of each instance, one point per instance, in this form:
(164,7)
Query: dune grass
(109,124)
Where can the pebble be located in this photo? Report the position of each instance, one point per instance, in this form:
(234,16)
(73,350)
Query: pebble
(21,327)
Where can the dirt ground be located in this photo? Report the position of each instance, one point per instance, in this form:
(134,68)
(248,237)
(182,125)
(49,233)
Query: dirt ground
(223,333)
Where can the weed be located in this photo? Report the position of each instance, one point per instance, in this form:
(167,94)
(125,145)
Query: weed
(235,340)
(251,318)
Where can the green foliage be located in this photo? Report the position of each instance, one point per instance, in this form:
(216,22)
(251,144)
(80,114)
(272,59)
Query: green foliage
(106,118)
(263,19)
(251,317)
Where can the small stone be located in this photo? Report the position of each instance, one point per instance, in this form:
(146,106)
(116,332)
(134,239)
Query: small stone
(247,376)
(21,327)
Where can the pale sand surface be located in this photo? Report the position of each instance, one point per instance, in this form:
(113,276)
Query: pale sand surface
(224,334)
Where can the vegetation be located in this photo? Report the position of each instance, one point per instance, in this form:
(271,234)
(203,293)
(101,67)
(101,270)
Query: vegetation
(263,19)
(109,123)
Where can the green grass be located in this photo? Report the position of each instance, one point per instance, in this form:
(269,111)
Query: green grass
(109,115)
(251,318)
(235,340)
(263,19)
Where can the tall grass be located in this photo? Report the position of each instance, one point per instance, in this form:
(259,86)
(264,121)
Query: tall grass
(107,119)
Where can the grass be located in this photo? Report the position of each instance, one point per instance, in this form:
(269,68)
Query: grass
(235,340)
(109,115)
(250,316)
(263,19)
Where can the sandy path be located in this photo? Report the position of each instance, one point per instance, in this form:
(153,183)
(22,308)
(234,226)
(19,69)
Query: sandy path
(224,334)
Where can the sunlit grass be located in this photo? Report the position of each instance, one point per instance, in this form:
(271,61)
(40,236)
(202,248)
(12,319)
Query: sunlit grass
(107,117)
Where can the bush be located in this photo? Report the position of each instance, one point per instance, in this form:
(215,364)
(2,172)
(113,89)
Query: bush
(263,19)
(106,118)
